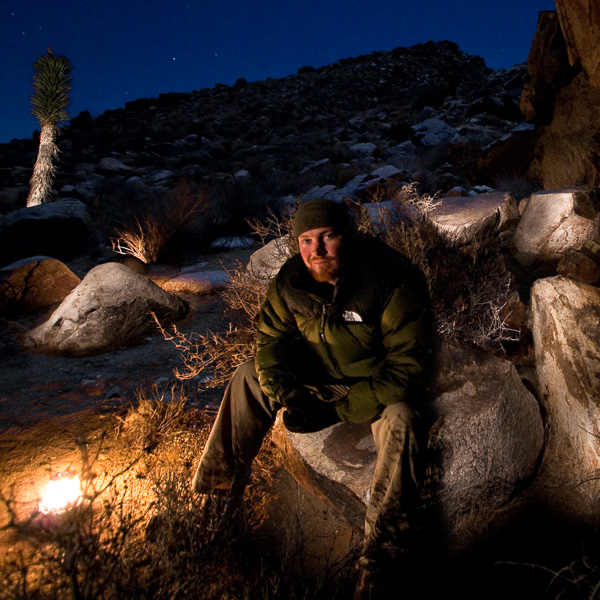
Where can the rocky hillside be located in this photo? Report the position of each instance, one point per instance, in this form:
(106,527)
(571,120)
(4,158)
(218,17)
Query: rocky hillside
(429,110)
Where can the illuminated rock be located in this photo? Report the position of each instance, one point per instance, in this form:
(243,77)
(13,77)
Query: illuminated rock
(475,217)
(485,442)
(197,283)
(109,309)
(580,24)
(35,283)
(566,333)
(266,262)
(553,222)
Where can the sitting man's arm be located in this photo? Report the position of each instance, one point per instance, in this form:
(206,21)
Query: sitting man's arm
(278,347)
(279,360)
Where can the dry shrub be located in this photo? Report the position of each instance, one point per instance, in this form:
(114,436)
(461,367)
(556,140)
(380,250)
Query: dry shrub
(150,536)
(147,236)
(211,358)
(469,286)
(273,226)
(215,355)
(159,416)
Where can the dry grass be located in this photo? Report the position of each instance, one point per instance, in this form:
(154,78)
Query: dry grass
(146,237)
(469,286)
(160,417)
(141,532)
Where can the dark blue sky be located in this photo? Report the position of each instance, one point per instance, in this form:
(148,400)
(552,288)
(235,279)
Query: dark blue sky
(122,50)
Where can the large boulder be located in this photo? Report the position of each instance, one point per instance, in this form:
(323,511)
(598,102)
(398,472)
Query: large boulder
(484,444)
(548,68)
(265,263)
(109,309)
(465,219)
(335,465)
(567,150)
(32,284)
(563,96)
(553,222)
(565,322)
(61,229)
(580,24)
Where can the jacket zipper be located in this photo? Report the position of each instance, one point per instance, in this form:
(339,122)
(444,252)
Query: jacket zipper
(324,341)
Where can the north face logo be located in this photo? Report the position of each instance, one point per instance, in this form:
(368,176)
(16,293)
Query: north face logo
(352,317)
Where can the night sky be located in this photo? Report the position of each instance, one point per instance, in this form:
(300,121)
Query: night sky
(122,50)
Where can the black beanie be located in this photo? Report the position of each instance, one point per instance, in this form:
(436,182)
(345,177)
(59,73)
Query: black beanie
(319,213)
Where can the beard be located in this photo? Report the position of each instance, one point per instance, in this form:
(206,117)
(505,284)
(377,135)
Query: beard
(326,270)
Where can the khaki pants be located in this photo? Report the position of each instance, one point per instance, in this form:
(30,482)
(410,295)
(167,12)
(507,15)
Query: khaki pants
(244,419)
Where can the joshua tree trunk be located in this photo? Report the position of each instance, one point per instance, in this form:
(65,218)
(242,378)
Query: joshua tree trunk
(40,184)
(49,103)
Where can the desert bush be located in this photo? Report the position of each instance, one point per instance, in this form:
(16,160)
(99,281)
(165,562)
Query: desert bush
(146,237)
(468,285)
(517,184)
(149,535)
(212,357)
(159,416)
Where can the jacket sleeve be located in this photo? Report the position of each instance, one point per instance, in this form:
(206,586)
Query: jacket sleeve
(404,372)
(278,344)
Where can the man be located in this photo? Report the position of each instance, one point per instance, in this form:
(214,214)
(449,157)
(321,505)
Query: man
(343,335)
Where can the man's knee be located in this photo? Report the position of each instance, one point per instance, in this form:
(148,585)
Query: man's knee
(246,371)
(400,414)
(400,421)
(245,391)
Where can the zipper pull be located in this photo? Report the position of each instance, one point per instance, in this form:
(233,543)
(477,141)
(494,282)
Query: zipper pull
(322,326)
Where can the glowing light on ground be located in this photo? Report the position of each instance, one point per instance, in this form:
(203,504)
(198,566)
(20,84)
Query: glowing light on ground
(62,492)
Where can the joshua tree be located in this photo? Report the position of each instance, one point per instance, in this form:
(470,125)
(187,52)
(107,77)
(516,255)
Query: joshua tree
(50,99)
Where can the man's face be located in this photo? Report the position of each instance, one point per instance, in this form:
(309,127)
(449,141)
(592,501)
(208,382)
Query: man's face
(320,251)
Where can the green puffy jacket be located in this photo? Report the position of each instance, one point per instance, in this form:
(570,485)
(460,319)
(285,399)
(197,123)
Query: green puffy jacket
(373,334)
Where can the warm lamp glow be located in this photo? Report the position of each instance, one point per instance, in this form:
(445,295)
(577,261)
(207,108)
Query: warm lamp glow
(63,492)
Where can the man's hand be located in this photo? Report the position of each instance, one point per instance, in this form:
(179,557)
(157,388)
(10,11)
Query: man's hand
(306,412)
(299,421)
(302,399)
